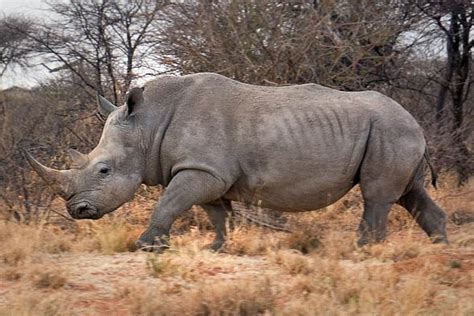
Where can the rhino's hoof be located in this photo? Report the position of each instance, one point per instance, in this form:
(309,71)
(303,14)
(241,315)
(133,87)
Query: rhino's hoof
(361,242)
(439,239)
(216,246)
(144,246)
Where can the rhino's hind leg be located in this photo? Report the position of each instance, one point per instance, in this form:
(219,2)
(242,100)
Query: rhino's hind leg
(430,217)
(373,225)
(217,212)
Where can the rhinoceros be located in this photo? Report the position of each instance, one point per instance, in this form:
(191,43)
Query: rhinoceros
(209,140)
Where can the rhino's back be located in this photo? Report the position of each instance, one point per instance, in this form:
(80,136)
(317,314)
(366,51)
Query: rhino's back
(291,148)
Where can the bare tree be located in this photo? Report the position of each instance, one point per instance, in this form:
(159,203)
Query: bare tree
(19,192)
(341,44)
(454,20)
(102,43)
(14,48)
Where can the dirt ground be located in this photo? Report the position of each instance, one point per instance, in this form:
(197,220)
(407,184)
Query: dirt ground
(95,283)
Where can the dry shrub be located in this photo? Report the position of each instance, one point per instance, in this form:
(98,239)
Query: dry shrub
(11,274)
(237,297)
(30,303)
(293,262)
(240,297)
(328,289)
(109,235)
(464,239)
(195,218)
(252,241)
(344,287)
(451,197)
(306,239)
(190,264)
(16,247)
(462,217)
(48,278)
(115,236)
(407,248)
(338,244)
(159,266)
(19,241)
(193,241)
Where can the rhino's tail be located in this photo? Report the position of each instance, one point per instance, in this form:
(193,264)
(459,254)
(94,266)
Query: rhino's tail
(434,175)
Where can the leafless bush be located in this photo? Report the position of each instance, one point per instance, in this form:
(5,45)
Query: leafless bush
(14,48)
(445,149)
(46,121)
(105,45)
(418,91)
(339,44)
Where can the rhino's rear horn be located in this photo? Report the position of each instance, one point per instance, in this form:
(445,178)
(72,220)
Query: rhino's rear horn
(59,180)
(105,106)
(78,159)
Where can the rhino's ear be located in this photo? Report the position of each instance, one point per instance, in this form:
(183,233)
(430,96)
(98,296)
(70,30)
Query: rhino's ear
(134,99)
(105,106)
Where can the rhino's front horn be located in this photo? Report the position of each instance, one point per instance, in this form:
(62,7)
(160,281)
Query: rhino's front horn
(59,180)
(78,159)
(105,106)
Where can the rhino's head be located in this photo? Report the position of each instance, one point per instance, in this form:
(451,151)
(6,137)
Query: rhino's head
(101,181)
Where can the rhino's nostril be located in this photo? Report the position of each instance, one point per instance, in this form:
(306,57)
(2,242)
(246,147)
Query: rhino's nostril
(81,208)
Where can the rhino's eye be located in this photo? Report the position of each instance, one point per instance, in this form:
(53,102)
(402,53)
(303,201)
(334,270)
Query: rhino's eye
(104,170)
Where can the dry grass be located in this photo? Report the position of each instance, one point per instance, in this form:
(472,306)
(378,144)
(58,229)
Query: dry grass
(19,242)
(317,270)
(52,278)
(239,297)
(30,303)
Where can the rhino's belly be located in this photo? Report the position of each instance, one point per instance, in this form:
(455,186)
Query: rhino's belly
(302,196)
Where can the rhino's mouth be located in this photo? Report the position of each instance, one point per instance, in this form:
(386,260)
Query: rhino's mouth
(84,210)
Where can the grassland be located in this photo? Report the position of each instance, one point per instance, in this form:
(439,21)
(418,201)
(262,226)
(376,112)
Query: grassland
(90,268)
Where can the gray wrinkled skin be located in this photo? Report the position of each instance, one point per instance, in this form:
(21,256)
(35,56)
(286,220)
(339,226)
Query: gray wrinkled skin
(210,140)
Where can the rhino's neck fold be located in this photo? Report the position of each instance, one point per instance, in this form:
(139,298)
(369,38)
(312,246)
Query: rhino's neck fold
(154,174)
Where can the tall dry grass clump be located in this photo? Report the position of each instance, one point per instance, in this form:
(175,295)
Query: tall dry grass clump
(48,278)
(114,236)
(20,242)
(31,304)
(232,297)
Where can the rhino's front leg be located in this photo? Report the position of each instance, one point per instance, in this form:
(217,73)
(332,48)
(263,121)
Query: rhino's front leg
(187,188)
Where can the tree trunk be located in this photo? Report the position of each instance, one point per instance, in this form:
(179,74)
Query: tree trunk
(450,65)
(458,50)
